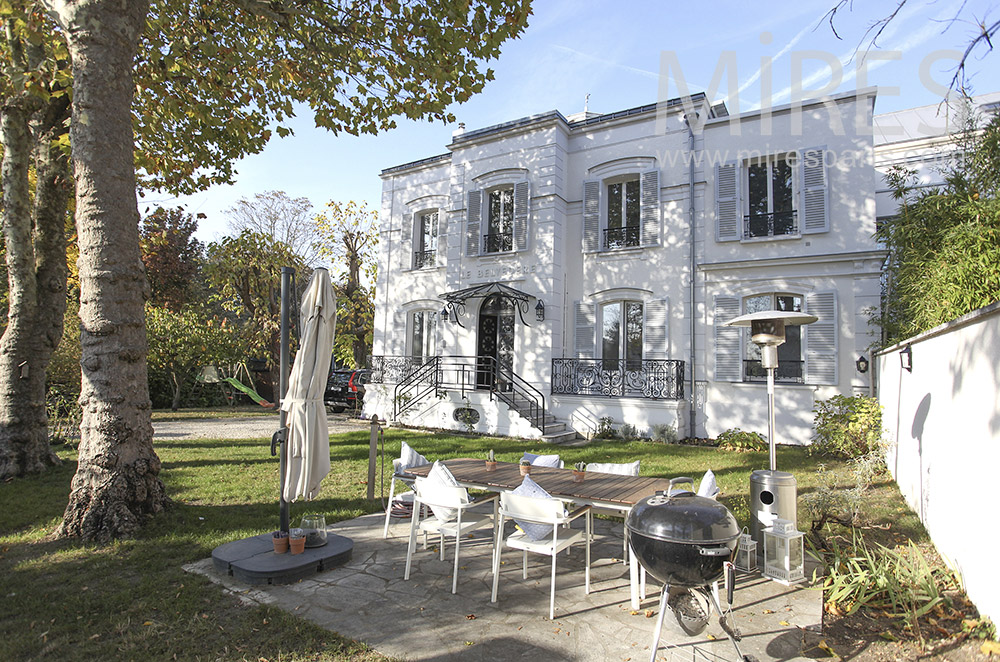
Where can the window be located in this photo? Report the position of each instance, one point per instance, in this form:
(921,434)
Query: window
(790,361)
(770,208)
(621,335)
(623,214)
(423,331)
(427,229)
(499,236)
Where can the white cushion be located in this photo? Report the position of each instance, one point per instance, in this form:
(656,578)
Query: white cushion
(530,488)
(410,458)
(707,487)
(440,475)
(627,469)
(542,460)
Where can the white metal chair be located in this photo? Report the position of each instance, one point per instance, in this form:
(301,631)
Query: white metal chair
(624,469)
(546,512)
(458,521)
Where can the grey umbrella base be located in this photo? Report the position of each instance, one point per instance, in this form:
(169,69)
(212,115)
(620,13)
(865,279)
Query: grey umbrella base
(252,560)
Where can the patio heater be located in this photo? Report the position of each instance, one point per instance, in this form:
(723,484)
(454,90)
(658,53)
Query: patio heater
(773,493)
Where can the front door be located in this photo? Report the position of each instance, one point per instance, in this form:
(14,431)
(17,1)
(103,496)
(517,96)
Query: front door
(496,342)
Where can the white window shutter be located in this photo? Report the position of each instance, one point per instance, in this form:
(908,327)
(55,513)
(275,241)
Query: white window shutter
(399,333)
(473,216)
(821,338)
(815,203)
(585,316)
(522,204)
(727,340)
(442,238)
(591,215)
(728,210)
(406,243)
(649,207)
(654,335)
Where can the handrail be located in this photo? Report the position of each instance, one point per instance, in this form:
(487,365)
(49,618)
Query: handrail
(535,399)
(403,397)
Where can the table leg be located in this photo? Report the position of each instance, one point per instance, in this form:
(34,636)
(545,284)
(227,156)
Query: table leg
(633,576)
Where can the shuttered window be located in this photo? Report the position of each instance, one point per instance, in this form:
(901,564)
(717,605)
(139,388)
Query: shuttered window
(727,340)
(584,315)
(815,203)
(406,243)
(821,339)
(472,223)
(654,338)
(728,209)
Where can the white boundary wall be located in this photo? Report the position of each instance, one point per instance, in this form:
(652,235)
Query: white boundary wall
(944,421)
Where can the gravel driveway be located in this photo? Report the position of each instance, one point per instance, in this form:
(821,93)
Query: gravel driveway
(251,427)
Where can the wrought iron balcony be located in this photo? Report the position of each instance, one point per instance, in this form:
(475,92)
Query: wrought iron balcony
(498,242)
(621,237)
(654,379)
(770,225)
(423,259)
(788,372)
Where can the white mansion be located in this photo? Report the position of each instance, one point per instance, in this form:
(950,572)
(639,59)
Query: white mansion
(550,272)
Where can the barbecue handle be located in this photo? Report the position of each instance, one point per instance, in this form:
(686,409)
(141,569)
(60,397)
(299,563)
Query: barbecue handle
(681,479)
(715,551)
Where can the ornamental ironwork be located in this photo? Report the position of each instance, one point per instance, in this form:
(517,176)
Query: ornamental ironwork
(789,372)
(770,225)
(653,379)
(424,259)
(625,237)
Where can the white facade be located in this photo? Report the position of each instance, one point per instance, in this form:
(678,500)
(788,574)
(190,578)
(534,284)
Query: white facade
(639,236)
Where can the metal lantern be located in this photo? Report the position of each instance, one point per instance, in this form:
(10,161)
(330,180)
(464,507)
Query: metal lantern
(540,311)
(746,553)
(784,553)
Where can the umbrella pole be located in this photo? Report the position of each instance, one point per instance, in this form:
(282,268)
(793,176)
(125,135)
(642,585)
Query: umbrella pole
(286,297)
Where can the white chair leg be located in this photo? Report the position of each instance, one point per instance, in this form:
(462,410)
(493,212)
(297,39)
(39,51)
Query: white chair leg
(552,592)
(458,545)
(524,566)
(590,530)
(414,518)
(388,507)
(441,544)
(497,546)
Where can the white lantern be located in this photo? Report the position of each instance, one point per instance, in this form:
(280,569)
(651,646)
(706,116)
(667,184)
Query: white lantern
(746,553)
(784,556)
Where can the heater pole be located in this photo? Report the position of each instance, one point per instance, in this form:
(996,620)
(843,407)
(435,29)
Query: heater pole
(770,417)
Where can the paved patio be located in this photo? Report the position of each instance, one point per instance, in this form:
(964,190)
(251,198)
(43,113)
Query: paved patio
(368,600)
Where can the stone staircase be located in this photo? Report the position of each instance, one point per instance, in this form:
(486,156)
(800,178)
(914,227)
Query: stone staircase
(556,432)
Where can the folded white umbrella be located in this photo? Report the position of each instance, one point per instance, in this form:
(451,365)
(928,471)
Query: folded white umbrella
(308,439)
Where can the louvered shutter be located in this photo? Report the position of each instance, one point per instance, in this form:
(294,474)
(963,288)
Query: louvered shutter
(654,335)
(727,340)
(728,209)
(473,215)
(522,205)
(649,207)
(591,215)
(815,207)
(442,237)
(406,243)
(821,339)
(397,334)
(585,316)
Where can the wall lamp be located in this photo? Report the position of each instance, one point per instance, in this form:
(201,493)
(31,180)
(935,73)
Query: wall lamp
(862,364)
(906,358)
(540,311)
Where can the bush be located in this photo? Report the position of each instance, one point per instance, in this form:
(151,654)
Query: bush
(741,441)
(629,432)
(606,429)
(847,426)
(664,433)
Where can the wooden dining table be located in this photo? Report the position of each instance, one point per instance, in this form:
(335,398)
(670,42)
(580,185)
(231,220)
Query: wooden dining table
(610,491)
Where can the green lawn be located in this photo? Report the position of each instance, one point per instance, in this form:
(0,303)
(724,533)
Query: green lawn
(63,600)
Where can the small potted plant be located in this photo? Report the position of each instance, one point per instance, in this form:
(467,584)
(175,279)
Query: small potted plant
(297,541)
(525,467)
(491,461)
(280,540)
(579,471)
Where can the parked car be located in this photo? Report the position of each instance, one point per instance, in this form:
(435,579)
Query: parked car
(346,389)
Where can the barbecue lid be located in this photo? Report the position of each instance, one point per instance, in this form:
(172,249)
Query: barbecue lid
(684,518)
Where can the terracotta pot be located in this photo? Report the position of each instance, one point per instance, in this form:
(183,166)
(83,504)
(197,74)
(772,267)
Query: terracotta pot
(578,476)
(491,466)
(297,545)
(280,545)
(525,469)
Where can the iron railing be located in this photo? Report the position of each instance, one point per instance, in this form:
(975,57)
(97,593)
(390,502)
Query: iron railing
(770,225)
(621,237)
(789,372)
(418,379)
(653,379)
(498,242)
(422,259)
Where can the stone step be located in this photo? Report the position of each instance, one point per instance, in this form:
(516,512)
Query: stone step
(560,438)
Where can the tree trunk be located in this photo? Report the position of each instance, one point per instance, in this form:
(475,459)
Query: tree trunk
(117,481)
(178,381)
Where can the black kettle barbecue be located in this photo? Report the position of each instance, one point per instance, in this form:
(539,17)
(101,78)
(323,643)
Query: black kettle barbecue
(685,541)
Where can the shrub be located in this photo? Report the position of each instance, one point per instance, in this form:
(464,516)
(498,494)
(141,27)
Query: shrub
(606,429)
(741,441)
(847,426)
(664,433)
(629,431)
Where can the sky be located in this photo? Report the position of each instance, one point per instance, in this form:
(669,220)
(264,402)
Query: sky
(614,55)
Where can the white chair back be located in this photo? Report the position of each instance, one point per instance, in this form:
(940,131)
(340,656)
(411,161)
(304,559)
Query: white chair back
(626,469)
(533,509)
